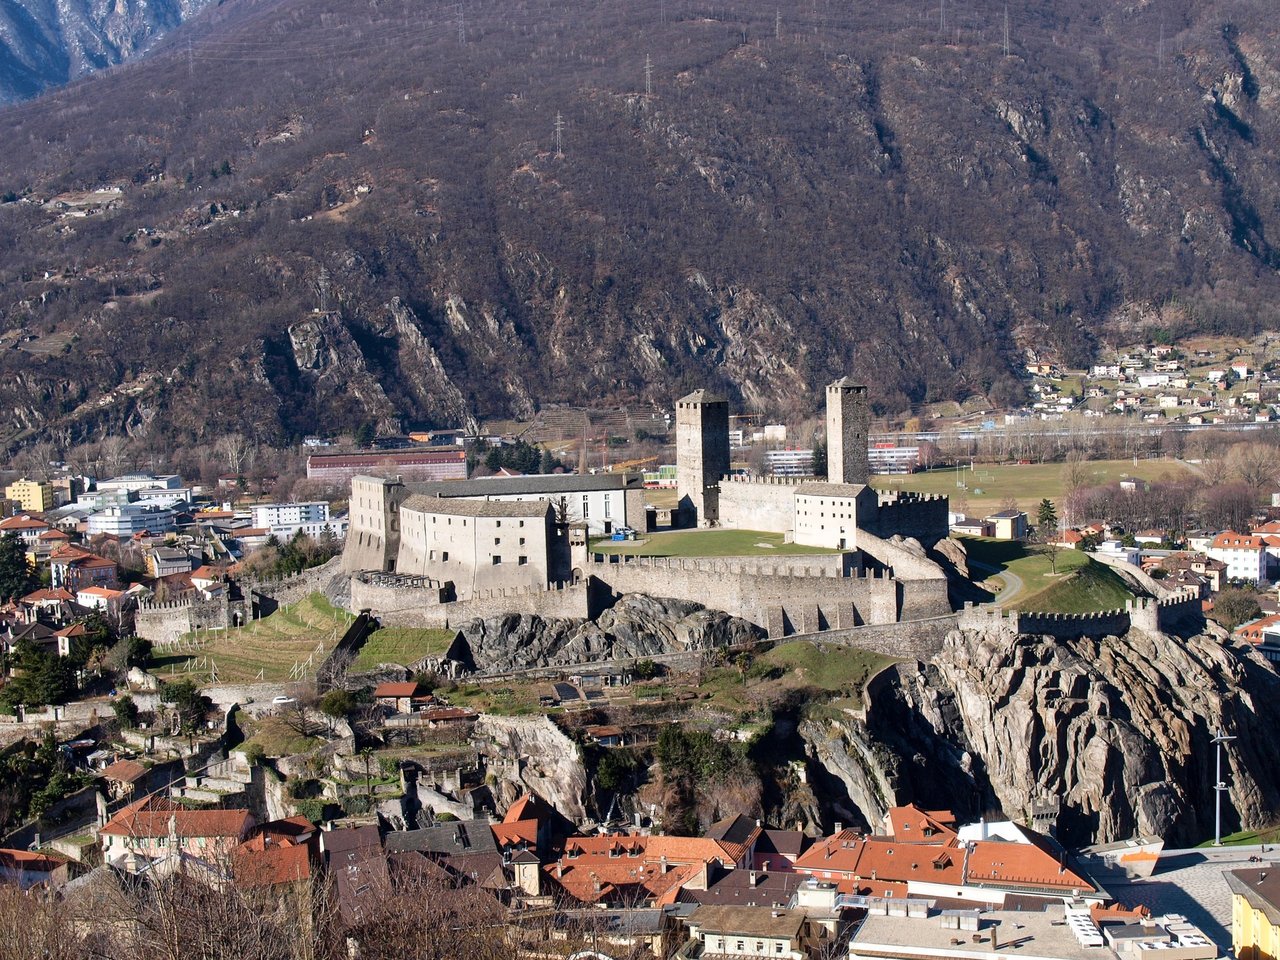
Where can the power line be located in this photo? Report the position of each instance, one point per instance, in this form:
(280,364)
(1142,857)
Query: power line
(648,75)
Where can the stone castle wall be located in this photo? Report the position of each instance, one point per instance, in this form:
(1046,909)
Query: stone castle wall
(759,503)
(400,605)
(920,517)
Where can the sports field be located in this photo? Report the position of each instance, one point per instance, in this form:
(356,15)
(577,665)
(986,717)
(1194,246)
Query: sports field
(985,487)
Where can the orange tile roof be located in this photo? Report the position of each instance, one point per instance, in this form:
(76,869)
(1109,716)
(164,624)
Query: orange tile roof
(405,688)
(47,594)
(1020,864)
(910,824)
(1253,630)
(263,866)
(207,572)
(35,860)
(512,834)
(54,534)
(124,771)
(150,816)
(1230,540)
(105,592)
(22,522)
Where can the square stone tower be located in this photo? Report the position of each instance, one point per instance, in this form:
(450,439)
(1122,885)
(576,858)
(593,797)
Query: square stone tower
(848,429)
(702,455)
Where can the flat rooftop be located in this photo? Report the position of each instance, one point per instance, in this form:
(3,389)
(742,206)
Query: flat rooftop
(1027,935)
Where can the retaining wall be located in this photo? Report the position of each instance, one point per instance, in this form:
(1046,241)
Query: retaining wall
(910,639)
(406,607)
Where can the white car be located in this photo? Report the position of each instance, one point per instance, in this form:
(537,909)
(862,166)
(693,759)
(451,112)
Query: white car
(282,699)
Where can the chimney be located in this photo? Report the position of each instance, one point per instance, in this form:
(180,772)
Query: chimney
(839,827)
(753,878)
(662,863)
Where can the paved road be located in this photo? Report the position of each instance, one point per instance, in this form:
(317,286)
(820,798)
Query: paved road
(1012,582)
(1190,882)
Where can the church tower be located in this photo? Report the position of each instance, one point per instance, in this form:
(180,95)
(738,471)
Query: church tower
(848,430)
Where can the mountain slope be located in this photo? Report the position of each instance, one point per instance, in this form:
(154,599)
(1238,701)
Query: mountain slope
(44,43)
(336,212)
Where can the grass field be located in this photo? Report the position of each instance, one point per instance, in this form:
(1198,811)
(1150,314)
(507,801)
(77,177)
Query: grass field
(402,645)
(706,543)
(1078,584)
(1248,838)
(1092,587)
(269,648)
(1028,484)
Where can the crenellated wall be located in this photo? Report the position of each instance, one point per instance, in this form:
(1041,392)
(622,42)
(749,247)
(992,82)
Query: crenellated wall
(1142,613)
(922,517)
(398,604)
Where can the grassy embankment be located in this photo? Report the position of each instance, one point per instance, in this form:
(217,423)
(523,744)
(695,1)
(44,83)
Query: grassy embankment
(1078,584)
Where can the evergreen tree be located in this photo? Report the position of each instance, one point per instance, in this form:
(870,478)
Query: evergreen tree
(16,576)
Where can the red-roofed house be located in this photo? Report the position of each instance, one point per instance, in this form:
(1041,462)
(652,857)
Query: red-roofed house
(25,527)
(1244,555)
(102,599)
(73,568)
(396,695)
(155,828)
(122,778)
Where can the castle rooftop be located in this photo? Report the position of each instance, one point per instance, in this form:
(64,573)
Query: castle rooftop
(702,396)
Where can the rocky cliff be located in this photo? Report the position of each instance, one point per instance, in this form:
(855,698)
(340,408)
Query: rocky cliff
(532,754)
(44,44)
(637,626)
(1114,734)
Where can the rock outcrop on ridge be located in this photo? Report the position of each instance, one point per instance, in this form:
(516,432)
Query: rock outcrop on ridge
(1113,734)
(637,626)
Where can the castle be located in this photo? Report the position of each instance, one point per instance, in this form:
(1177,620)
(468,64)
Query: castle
(436,554)
(830,513)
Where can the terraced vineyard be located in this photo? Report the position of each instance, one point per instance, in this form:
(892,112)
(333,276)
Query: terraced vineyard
(288,645)
(402,645)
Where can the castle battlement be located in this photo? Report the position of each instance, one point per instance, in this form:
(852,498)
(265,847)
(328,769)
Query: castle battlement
(731,566)
(768,480)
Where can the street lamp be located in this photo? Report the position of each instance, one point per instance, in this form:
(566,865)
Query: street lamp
(1218,787)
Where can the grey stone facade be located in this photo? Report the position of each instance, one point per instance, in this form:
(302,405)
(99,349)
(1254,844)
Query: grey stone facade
(702,455)
(848,428)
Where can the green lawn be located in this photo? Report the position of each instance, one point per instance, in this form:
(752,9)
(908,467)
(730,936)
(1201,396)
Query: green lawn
(1091,588)
(402,645)
(1077,584)
(1248,838)
(706,543)
(270,647)
(1028,484)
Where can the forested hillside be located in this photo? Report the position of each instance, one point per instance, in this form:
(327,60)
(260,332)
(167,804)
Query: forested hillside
(336,212)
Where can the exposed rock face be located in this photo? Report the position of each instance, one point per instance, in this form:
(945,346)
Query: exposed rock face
(637,626)
(44,44)
(532,754)
(1117,730)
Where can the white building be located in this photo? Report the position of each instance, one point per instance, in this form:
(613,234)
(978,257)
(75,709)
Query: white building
(134,482)
(124,520)
(789,463)
(1245,556)
(827,513)
(277,516)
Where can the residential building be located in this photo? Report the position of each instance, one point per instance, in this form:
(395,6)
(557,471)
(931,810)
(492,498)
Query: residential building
(74,569)
(735,931)
(1008,525)
(25,527)
(886,458)
(32,495)
(1264,634)
(827,514)
(1255,913)
(156,828)
(1244,555)
(396,695)
(972,527)
(166,561)
(102,599)
(30,868)
(286,517)
(789,463)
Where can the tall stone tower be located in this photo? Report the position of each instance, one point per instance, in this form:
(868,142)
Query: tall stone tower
(702,455)
(848,428)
